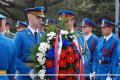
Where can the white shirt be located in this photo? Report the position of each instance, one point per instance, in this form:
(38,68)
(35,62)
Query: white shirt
(108,37)
(88,36)
(32,30)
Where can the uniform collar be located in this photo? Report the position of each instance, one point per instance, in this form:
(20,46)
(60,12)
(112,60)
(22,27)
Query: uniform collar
(108,37)
(88,36)
(32,30)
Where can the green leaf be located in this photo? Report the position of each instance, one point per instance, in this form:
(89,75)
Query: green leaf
(34,51)
(62,24)
(52,28)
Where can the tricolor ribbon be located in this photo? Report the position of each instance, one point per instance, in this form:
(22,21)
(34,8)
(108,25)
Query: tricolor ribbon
(56,57)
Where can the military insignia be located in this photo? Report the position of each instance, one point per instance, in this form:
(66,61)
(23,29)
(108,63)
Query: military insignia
(100,61)
(83,23)
(103,23)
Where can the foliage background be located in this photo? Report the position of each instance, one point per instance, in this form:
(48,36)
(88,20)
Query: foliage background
(93,9)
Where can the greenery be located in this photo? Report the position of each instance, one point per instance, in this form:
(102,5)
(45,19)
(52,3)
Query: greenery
(93,9)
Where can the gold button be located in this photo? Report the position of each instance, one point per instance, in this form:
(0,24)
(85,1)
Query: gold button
(100,61)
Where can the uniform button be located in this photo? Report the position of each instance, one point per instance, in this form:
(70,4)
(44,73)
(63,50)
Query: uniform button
(100,61)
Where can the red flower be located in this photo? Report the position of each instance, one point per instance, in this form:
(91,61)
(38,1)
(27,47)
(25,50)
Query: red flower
(70,70)
(54,42)
(49,63)
(70,58)
(73,44)
(76,55)
(63,54)
(69,49)
(62,72)
(77,64)
(62,63)
(69,78)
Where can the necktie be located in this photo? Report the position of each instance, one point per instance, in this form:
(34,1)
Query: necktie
(104,41)
(35,33)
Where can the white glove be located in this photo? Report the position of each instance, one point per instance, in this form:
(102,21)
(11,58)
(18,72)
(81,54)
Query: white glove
(31,74)
(108,77)
(92,76)
(16,74)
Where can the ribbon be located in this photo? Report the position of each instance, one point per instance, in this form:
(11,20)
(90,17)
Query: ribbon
(56,57)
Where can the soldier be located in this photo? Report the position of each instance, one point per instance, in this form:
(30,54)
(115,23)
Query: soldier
(9,34)
(117,64)
(79,38)
(8,53)
(26,39)
(21,25)
(106,49)
(92,40)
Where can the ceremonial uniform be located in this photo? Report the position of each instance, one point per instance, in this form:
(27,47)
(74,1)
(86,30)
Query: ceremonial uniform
(85,52)
(7,56)
(82,48)
(25,41)
(91,40)
(107,50)
(117,64)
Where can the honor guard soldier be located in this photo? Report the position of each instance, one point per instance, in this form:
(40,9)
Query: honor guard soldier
(8,53)
(9,34)
(92,40)
(26,39)
(21,25)
(106,50)
(117,64)
(79,39)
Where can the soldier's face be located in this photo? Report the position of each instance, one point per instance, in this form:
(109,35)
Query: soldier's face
(86,29)
(106,30)
(35,20)
(7,27)
(69,24)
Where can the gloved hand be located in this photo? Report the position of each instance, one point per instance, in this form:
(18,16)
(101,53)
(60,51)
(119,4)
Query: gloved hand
(31,74)
(108,77)
(92,75)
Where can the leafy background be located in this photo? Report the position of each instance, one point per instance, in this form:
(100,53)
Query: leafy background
(93,9)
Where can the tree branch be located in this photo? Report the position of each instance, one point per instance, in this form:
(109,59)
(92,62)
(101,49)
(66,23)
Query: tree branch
(54,3)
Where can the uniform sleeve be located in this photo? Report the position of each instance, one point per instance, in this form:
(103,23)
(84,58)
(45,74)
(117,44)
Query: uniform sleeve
(18,43)
(115,57)
(12,65)
(21,66)
(95,59)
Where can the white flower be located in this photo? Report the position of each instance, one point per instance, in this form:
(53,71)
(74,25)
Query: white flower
(41,74)
(64,32)
(51,35)
(43,47)
(71,36)
(41,60)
